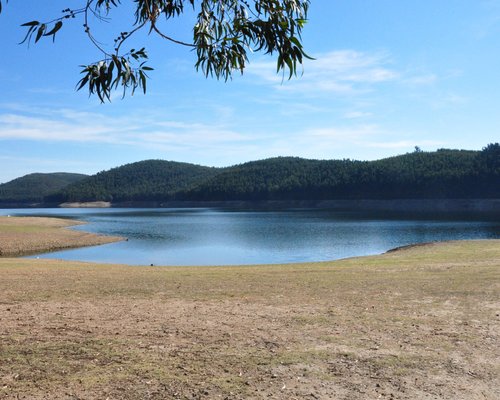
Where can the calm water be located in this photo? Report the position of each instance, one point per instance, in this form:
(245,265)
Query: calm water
(209,236)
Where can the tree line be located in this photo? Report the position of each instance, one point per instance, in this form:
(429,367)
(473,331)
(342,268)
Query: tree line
(440,174)
(418,175)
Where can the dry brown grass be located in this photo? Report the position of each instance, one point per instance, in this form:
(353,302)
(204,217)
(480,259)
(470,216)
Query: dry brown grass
(420,323)
(31,235)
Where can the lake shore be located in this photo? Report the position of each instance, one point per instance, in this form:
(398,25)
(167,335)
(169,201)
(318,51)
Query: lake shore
(420,322)
(20,236)
(490,206)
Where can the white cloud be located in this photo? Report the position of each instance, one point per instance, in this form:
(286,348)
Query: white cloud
(341,71)
(16,126)
(74,126)
(178,137)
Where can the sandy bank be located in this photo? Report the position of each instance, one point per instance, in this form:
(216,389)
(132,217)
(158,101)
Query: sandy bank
(30,235)
(88,204)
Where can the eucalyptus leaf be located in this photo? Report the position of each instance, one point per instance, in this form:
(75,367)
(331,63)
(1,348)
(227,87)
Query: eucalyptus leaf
(224,33)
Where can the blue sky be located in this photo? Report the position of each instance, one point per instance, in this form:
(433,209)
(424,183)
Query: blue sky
(389,75)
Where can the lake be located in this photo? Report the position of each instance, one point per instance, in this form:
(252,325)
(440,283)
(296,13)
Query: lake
(205,236)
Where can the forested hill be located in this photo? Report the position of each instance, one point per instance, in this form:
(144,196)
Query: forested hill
(443,174)
(33,188)
(150,180)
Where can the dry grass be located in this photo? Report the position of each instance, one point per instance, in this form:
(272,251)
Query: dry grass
(420,323)
(31,235)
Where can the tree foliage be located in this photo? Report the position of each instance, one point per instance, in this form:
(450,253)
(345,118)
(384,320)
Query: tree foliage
(33,188)
(224,33)
(417,175)
(150,180)
(441,174)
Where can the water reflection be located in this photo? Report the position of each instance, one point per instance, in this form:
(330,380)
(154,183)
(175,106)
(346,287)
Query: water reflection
(210,236)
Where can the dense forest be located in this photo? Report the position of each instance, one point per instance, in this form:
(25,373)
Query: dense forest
(33,188)
(443,174)
(440,174)
(151,180)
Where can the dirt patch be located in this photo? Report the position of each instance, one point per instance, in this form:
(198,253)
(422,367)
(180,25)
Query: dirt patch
(420,323)
(31,235)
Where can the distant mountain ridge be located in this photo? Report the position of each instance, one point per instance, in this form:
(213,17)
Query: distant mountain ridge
(33,188)
(149,180)
(443,174)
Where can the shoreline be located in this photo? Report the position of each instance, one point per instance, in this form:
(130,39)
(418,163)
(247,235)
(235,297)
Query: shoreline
(29,236)
(25,236)
(436,206)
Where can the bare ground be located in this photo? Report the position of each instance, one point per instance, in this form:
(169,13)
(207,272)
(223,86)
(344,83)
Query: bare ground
(419,323)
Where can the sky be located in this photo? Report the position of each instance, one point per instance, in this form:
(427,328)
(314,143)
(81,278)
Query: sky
(387,75)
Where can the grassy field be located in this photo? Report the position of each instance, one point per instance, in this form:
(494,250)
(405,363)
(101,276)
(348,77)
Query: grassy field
(418,323)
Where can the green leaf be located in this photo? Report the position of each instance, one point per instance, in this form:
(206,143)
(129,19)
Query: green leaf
(296,42)
(223,33)
(54,30)
(28,34)
(31,23)
(143,81)
(110,73)
(82,82)
(40,32)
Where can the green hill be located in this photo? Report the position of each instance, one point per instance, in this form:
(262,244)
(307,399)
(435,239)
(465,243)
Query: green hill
(33,188)
(442,174)
(278,178)
(150,180)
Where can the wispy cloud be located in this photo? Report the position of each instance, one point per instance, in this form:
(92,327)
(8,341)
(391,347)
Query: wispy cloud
(68,125)
(341,71)
(180,137)
(16,126)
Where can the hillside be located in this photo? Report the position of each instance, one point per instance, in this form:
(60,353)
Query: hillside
(150,180)
(443,174)
(274,179)
(33,188)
